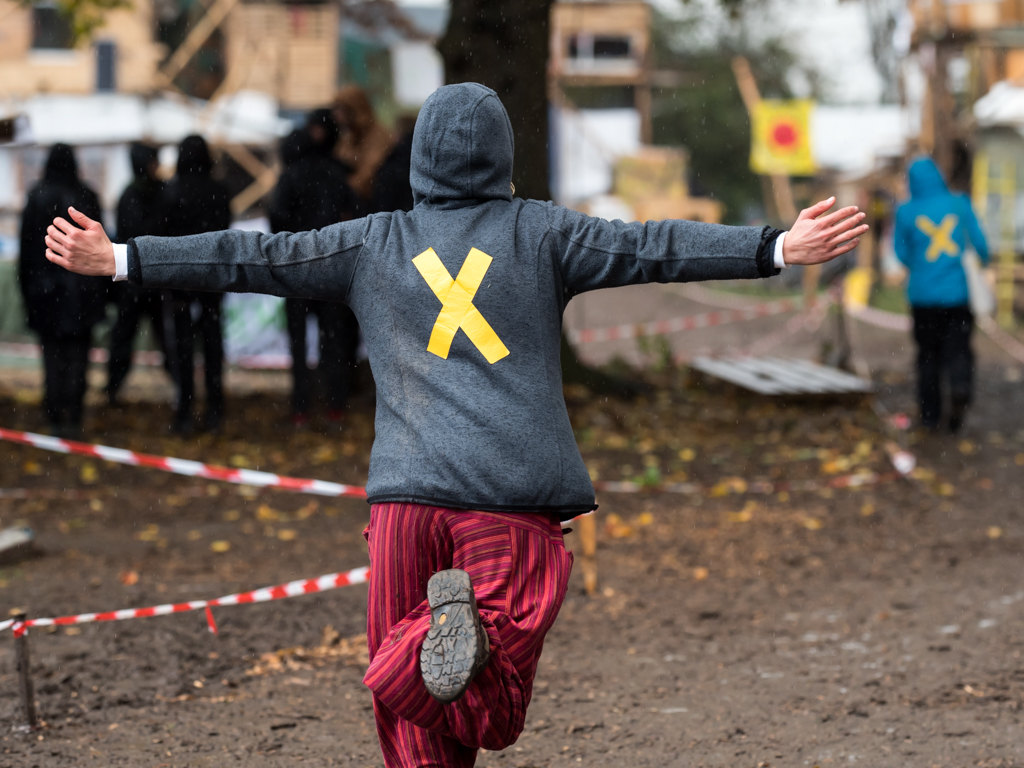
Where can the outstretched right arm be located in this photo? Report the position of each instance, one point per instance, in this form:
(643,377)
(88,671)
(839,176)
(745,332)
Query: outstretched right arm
(312,265)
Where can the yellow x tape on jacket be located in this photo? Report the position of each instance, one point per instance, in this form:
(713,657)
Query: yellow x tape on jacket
(457,310)
(941,236)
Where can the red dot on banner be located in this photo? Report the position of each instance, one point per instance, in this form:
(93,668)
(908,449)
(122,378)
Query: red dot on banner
(784,134)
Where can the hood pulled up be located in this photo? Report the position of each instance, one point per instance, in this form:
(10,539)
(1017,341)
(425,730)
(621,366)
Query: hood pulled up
(925,179)
(462,148)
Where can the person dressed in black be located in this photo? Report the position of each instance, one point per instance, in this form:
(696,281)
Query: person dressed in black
(62,307)
(391,188)
(139,212)
(195,203)
(312,193)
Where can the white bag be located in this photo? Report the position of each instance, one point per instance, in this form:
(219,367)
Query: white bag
(983,299)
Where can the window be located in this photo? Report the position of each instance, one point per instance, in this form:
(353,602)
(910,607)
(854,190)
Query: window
(51,29)
(601,47)
(106,66)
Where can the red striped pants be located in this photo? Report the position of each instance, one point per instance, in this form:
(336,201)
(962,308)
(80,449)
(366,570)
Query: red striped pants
(520,571)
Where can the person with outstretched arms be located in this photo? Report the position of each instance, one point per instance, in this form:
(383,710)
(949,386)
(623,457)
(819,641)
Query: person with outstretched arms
(474,465)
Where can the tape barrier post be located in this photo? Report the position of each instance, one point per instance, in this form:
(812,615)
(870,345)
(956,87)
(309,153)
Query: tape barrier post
(21,660)
(588,538)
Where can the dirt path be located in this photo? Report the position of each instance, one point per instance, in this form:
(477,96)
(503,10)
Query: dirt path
(881,626)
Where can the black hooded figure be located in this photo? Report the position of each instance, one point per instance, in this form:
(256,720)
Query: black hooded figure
(313,193)
(195,203)
(62,307)
(139,212)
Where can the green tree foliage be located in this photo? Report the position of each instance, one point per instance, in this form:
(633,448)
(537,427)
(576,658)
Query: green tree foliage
(705,113)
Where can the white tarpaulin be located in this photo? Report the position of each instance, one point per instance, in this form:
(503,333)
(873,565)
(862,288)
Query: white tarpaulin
(417,70)
(852,139)
(1003,105)
(246,117)
(587,143)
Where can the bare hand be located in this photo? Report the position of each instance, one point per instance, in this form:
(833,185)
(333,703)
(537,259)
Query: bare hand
(87,251)
(814,240)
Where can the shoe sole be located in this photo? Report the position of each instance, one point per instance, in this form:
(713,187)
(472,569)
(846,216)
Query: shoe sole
(455,648)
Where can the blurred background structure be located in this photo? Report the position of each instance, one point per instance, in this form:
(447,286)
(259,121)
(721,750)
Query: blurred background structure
(625,109)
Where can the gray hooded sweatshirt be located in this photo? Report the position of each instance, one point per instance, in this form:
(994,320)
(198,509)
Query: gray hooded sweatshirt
(460,302)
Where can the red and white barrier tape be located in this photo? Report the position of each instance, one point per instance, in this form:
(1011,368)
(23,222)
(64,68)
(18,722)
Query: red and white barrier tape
(685,323)
(280,592)
(881,318)
(704,295)
(183,466)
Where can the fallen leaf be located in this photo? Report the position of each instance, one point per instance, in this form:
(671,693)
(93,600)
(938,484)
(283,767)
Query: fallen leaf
(265,513)
(1019,459)
(994,532)
(946,489)
(700,573)
(308,510)
(867,509)
(287,534)
(240,461)
(687,454)
(89,474)
(232,515)
(96,505)
(150,533)
(811,523)
(220,546)
(967,447)
(129,578)
(33,467)
(645,518)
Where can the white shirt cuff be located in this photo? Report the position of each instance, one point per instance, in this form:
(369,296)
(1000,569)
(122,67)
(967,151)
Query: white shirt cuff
(121,261)
(780,262)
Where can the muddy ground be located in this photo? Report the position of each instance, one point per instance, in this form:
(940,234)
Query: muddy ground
(882,626)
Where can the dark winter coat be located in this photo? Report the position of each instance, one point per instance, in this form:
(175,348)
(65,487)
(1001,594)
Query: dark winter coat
(391,189)
(59,304)
(193,201)
(140,209)
(460,302)
(312,192)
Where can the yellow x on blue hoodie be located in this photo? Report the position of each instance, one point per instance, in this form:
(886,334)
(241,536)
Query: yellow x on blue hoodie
(932,230)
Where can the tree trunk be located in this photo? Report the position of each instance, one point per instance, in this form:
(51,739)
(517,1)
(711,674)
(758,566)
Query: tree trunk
(503,44)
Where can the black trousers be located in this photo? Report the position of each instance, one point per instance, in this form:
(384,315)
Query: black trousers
(179,306)
(339,340)
(133,304)
(65,361)
(943,336)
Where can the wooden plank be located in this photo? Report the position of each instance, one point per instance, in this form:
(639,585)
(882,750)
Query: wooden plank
(792,381)
(796,382)
(834,376)
(727,371)
(194,41)
(777,376)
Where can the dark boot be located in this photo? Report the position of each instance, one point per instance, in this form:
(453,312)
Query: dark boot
(456,647)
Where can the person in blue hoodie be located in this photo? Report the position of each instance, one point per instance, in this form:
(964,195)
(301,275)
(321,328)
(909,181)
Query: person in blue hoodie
(474,463)
(933,229)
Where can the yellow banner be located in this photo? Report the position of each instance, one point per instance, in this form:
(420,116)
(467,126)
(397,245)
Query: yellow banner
(781,138)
